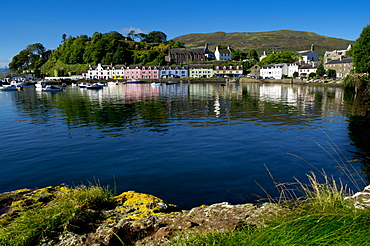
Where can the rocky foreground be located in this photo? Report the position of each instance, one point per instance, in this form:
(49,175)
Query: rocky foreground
(142,219)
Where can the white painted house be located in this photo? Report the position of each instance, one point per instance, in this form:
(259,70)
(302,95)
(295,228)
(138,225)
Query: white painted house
(306,69)
(292,68)
(336,54)
(223,54)
(275,70)
(308,56)
(104,72)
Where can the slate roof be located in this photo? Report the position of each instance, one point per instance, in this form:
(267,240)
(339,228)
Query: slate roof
(273,65)
(337,61)
(308,66)
(201,65)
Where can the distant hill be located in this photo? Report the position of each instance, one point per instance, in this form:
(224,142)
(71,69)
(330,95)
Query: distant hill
(284,40)
(4,69)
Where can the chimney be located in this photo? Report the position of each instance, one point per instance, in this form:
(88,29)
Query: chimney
(312,47)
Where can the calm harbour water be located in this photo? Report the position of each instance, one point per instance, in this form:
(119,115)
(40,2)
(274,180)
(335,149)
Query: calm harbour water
(189,144)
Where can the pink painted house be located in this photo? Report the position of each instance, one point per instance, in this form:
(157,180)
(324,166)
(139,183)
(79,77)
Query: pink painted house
(141,72)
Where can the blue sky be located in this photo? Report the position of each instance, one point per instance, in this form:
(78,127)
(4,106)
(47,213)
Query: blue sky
(39,21)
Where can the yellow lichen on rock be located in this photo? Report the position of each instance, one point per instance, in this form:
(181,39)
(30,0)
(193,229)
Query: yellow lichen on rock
(25,190)
(139,205)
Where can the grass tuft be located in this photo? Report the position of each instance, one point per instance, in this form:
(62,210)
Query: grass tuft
(70,210)
(322,217)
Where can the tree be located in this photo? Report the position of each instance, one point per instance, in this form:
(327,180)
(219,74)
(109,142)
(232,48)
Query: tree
(320,70)
(176,44)
(156,37)
(64,36)
(132,34)
(252,54)
(312,75)
(295,74)
(277,58)
(361,52)
(141,36)
(331,73)
(238,55)
(31,57)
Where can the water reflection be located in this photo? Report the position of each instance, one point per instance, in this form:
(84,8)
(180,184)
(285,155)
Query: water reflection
(194,104)
(209,140)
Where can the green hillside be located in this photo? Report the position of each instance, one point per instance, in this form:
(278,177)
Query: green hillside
(284,40)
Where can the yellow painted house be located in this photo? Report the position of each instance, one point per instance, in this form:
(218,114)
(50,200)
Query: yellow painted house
(227,71)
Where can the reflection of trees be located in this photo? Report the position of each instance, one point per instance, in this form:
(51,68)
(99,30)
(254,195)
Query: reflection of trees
(359,133)
(358,130)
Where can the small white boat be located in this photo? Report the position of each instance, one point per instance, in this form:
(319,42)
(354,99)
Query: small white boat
(74,84)
(171,83)
(83,85)
(133,81)
(95,86)
(18,83)
(112,83)
(156,84)
(50,88)
(41,84)
(9,88)
(101,84)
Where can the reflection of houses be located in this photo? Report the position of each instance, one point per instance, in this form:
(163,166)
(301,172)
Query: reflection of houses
(342,66)
(223,54)
(104,72)
(335,54)
(227,71)
(186,55)
(139,92)
(275,70)
(200,70)
(173,72)
(308,56)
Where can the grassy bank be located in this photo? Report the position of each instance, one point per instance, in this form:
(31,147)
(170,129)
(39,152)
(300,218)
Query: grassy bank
(67,210)
(321,217)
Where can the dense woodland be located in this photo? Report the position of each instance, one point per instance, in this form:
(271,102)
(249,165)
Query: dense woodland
(76,53)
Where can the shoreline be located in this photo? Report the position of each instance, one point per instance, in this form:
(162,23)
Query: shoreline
(205,80)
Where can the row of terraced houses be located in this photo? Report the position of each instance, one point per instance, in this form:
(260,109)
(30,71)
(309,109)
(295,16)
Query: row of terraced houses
(156,72)
(307,64)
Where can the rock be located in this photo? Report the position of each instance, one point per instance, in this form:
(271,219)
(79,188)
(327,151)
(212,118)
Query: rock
(361,199)
(143,219)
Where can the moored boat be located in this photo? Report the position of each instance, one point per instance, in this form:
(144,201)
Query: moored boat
(133,81)
(113,83)
(83,85)
(9,88)
(171,83)
(156,84)
(94,86)
(50,88)
(41,84)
